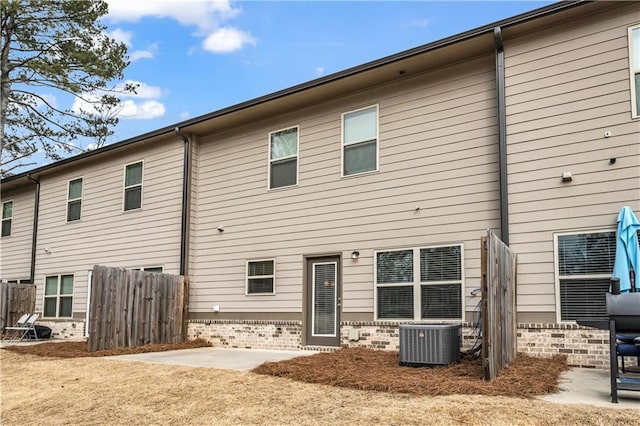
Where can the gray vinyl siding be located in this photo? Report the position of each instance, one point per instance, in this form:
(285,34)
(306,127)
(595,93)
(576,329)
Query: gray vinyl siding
(106,235)
(567,86)
(437,150)
(15,258)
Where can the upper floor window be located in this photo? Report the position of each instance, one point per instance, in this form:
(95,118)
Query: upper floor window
(261,276)
(419,283)
(74,200)
(58,296)
(584,264)
(360,141)
(7,218)
(133,186)
(283,158)
(634,67)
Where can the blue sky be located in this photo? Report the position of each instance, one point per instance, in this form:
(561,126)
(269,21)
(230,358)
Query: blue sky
(192,57)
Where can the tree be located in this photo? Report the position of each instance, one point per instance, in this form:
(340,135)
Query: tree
(52,49)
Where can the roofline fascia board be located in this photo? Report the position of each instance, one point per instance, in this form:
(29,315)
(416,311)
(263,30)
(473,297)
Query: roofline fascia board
(476,32)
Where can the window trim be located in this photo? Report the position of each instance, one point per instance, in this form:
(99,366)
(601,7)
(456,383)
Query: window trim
(57,295)
(81,198)
(417,284)
(635,114)
(125,187)
(342,144)
(246,277)
(10,219)
(556,266)
(297,157)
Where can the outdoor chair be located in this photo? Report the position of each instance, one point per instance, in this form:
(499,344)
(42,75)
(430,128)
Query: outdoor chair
(627,346)
(16,329)
(20,332)
(10,330)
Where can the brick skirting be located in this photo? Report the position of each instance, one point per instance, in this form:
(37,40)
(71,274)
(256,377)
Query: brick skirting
(65,329)
(583,346)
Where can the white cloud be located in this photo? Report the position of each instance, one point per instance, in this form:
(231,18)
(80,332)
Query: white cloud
(144,90)
(121,36)
(207,16)
(149,53)
(141,110)
(228,39)
(203,14)
(184,115)
(319,71)
(141,106)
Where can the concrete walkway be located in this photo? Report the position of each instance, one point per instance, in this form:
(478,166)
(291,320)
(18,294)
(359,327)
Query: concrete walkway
(228,359)
(589,386)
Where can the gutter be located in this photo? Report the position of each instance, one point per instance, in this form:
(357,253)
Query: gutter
(184,228)
(502,135)
(34,234)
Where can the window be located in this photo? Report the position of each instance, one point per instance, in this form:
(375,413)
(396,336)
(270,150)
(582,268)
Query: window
(58,296)
(156,269)
(133,186)
(419,283)
(360,141)
(7,218)
(283,158)
(74,200)
(584,265)
(634,69)
(261,276)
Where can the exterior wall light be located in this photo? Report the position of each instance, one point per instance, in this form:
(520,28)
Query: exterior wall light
(355,254)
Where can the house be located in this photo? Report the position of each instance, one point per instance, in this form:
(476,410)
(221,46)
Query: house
(327,213)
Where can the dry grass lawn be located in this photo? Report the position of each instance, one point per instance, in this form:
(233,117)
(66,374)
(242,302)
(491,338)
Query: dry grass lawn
(102,391)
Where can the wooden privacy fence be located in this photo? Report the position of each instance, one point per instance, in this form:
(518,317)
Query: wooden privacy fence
(15,301)
(135,308)
(499,325)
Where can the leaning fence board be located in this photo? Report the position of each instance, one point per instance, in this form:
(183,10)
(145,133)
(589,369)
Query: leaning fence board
(499,325)
(134,308)
(16,299)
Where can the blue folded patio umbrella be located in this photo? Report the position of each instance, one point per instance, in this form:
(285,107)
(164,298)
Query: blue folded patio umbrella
(627,251)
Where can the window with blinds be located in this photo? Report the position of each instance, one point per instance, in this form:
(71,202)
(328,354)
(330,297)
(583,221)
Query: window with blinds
(419,283)
(261,276)
(585,264)
(324,299)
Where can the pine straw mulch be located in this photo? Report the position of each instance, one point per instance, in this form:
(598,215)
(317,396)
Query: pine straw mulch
(367,369)
(79,349)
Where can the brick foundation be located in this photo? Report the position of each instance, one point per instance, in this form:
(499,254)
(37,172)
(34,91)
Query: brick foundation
(65,329)
(584,347)
(248,334)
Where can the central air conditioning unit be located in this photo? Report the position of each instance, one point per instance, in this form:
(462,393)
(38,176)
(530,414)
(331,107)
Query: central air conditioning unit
(429,344)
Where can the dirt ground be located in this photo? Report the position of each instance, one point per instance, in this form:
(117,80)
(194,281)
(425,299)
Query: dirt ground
(103,391)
